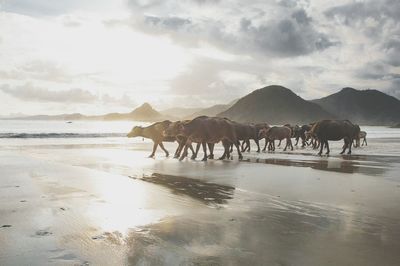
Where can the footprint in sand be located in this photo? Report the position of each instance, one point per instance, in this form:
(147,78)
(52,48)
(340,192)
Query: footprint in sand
(6,226)
(41,233)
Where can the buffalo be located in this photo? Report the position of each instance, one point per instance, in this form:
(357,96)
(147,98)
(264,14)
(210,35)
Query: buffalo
(326,130)
(155,133)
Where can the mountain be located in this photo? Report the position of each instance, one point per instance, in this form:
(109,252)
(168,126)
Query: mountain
(212,111)
(180,112)
(275,105)
(365,107)
(75,116)
(144,113)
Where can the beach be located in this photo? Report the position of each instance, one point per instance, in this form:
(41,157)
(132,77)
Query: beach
(87,195)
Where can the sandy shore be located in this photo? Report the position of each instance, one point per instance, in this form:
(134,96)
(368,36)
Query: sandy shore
(110,205)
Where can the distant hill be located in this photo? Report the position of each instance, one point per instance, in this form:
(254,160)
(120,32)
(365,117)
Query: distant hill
(75,116)
(144,113)
(212,111)
(365,107)
(275,105)
(180,112)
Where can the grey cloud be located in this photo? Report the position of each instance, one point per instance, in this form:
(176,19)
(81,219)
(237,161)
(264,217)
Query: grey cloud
(168,23)
(288,3)
(394,89)
(368,16)
(203,81)
(28,92)
(284,37)
(125,100)
(392,49)
(356,11)
(301,17)
(373,70)
(37,69)
(378,70)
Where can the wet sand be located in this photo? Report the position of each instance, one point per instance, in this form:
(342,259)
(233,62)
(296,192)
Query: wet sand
(110,205)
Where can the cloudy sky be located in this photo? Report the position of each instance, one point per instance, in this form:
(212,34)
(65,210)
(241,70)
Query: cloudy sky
(97,56)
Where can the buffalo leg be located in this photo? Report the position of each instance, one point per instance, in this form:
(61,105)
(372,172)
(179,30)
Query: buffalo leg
(238,151)
(349,146)
(365,141)
(279,144)
(327,147)
(204,151)
(178,149)
(247,148)
(345,145)
(243,146)
(185,151)
(194,156)
(322,147)
(154,149)
(164,149)
(258,144)
(211,150)
(226,146)
(191,148)
(266,143)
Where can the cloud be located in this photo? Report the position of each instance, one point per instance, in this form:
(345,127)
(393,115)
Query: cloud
(354,12)
(28,92)
(392,49)
(124,101)
(241,29)
(39,7)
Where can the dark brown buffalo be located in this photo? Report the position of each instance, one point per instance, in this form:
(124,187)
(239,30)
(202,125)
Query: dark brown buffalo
(301,133)
(210,130)
(155,133)
(245,133)
(335,130)
(277,133)
(259,127)
(172,132)
(361,135)
(251,133)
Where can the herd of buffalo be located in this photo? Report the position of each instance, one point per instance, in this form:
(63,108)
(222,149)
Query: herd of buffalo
(207,131)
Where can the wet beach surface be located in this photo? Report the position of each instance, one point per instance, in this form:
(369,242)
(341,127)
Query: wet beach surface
(107,204)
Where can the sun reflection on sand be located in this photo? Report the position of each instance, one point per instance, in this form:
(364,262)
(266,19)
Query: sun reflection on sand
(122,206)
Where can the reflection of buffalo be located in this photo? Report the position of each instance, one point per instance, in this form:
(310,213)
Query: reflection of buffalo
(209,193)
(335,130)
(155,133)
